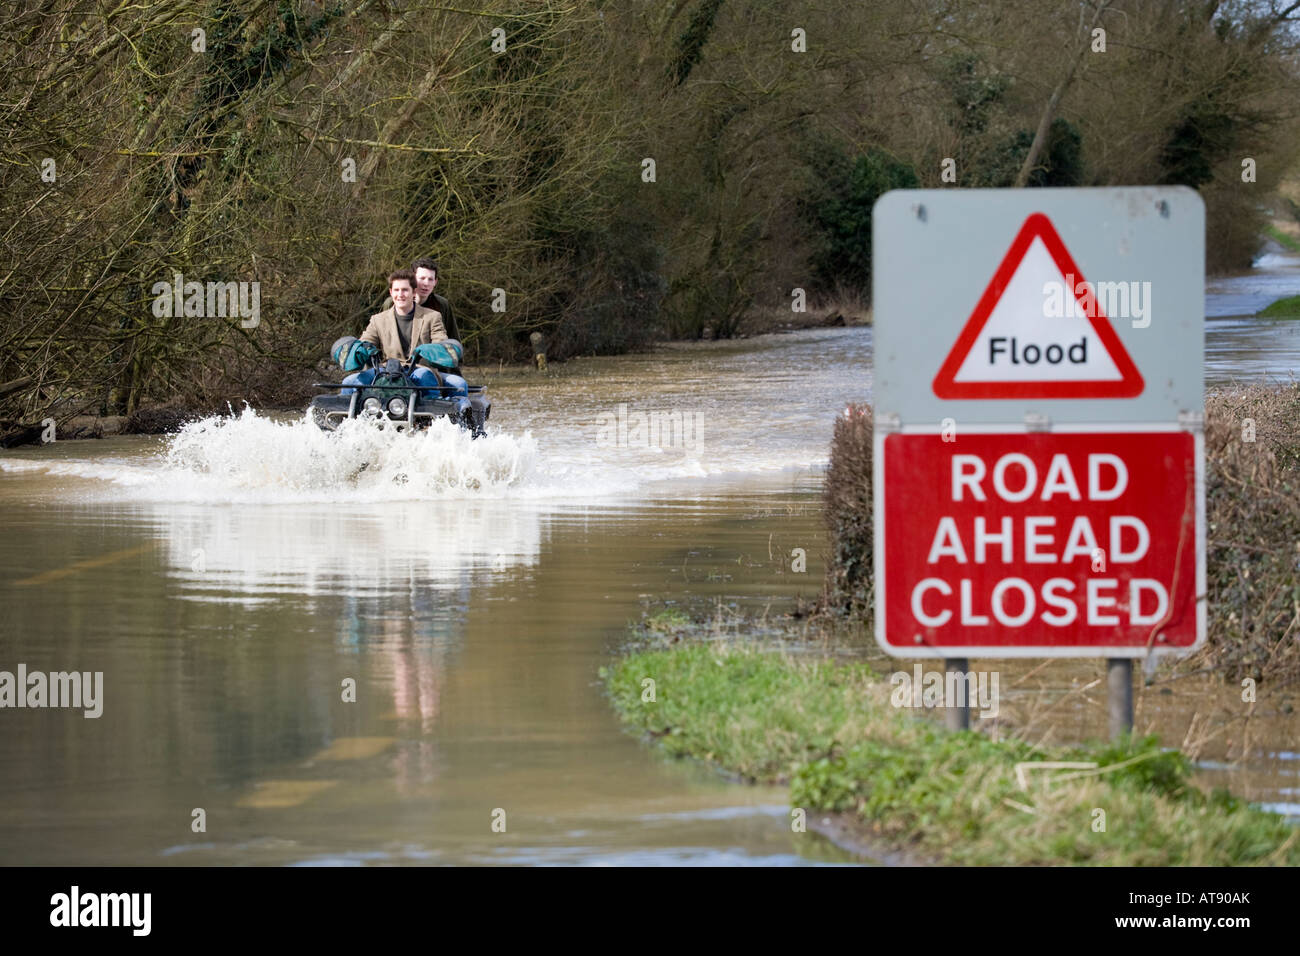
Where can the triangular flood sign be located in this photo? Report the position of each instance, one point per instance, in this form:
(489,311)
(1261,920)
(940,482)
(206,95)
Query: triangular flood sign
(1038,331)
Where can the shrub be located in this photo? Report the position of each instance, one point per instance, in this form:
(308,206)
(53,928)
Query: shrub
(840,213)
(850,585)
(1252,506)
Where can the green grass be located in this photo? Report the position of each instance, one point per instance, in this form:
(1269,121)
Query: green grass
(1279,236)
(826,727)
(1288,308)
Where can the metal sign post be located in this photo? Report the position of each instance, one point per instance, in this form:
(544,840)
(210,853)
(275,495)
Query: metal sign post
(1039,396)
(957,715)
(1119,695)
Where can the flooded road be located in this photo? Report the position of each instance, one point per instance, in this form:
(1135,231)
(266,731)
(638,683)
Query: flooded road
(1240,348)
(229,582)
(329,663)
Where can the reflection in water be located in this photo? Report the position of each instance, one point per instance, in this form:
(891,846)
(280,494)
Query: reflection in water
(396,579)
(401,547)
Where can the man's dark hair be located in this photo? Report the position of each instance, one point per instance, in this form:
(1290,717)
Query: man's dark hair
(406,274)
(425,263)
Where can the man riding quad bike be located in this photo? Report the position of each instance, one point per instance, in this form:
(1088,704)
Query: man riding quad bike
(417,378)
(402,395)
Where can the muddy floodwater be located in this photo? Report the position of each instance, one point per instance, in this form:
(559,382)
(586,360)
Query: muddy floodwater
(1240,347)
(367,648)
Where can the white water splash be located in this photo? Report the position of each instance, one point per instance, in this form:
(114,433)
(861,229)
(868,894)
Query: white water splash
(231,457)
(1274,260)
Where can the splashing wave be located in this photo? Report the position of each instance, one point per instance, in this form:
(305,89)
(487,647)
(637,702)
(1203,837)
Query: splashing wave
(230,456)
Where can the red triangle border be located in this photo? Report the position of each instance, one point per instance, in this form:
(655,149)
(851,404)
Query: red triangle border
(1130,383)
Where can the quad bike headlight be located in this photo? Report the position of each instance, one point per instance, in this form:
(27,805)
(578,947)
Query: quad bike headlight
(397,406)
(372,406)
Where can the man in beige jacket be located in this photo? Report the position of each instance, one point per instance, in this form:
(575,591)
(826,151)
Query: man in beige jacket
(398,329)
(401,329)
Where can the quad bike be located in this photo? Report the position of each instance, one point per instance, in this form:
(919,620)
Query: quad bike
(394,399)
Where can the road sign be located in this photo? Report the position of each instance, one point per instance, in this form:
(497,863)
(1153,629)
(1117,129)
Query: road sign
(1039,544)
(1039,331)
(1038,388)
(1137,253)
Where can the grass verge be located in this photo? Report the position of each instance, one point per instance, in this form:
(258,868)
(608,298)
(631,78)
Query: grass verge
(1288,308)
(827,728)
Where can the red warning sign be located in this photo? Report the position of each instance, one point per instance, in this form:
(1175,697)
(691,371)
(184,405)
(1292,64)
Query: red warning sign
(1038,331)
(1038,544)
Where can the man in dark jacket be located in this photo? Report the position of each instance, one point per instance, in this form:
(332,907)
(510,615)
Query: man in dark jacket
(426,277)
